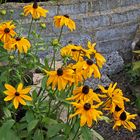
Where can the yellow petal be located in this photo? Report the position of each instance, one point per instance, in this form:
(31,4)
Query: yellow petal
(25,90)
(20,86)
(9,87)
(83,119)
(16,102)
(9,92)
(26,97)
(8,98)
(21,101)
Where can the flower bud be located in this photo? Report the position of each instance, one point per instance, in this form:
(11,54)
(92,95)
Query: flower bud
(3,12)
(43,25)
(55,42)
(11,57)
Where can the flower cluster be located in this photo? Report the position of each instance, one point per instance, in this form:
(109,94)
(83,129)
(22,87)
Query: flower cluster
(79,63)
(115,104)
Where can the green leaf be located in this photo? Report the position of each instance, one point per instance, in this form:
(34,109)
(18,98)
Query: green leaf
(38,135)
(97,135)
(49,121)
(106,119)
(34,95)
(7,112)
(8,124)
(5,130)
(54,129)
(43,83)
(32,125)
(136,65)
(29,116)
(86,133)
(58,138)
(138,51)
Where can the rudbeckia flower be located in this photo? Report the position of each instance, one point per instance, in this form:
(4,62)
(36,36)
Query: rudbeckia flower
(87,111)
(84,93)
(100,60)
(90,68)
(9,45)
(73,51)
(62,20)
(17,95)
(78,74)
(123,118)
(19,43)
(60,78)
(35,10)
(7,31)
(114,97)
(22,44)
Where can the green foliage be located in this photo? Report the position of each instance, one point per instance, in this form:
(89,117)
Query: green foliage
(133,72)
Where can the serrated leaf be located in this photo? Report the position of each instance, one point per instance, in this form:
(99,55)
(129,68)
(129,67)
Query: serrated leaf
(32,125)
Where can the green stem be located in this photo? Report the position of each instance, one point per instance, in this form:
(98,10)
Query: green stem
(20,64)
(59,38)
(53,59)
(30,27)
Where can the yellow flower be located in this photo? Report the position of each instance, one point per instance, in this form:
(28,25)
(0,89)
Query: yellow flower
(60,78)
(73,51)
(115,97)
(90,68)
(88,112)
(9,44)
(17,95)
(91,47)
(123,118)
(84,93)
(22,44)
(78,74)
(35,10)
(100,60)
(7,31)
(62,20)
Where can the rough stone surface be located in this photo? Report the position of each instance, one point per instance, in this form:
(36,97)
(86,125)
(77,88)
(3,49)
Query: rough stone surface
(104,81)
(114,64)
(111,23)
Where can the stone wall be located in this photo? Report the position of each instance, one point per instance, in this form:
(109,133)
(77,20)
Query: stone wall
(111,23)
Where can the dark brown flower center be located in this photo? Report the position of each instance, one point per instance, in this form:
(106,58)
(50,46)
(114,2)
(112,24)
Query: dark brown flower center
(89,62)
(117,108)
(66,16)
(6,30)
(123,116)
(85,89)
(18,39)
(17,94)
(73,50)
(59,72)
(87,106)
(35,6)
